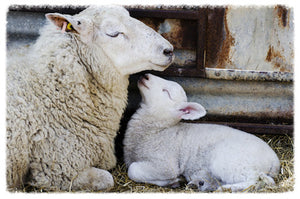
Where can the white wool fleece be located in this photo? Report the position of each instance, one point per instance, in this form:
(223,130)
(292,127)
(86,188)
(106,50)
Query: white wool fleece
(66,96)
(158,148)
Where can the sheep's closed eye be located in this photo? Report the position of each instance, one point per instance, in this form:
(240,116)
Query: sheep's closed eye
(114,34)
(165,90)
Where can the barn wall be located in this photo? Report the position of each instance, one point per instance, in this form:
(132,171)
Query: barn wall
(245,54)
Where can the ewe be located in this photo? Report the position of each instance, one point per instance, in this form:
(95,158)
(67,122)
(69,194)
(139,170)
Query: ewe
(158,148)
(66,96)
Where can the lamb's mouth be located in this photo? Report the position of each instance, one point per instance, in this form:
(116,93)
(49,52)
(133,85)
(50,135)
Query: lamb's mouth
(142,81)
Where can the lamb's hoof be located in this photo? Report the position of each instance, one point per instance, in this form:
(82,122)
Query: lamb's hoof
(203,186)
(195,184)
(175,185)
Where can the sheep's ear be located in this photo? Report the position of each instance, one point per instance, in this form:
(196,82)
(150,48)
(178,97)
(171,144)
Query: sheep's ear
(191,111)
(65,23)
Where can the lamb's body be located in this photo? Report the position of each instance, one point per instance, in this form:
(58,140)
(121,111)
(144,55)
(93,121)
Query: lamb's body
(65,99)
(200,152)
(158,150)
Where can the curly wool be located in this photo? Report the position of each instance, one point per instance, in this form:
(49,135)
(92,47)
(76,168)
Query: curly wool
(63,111)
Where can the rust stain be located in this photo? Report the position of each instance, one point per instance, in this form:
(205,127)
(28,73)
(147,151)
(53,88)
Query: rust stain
(175,36)
(273,54)
(229,40)
(276,58)
(183,33)
(214,35)
(269,54)
(150,22)
(282,13)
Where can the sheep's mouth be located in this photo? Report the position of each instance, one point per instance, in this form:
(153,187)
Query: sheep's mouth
(163,65)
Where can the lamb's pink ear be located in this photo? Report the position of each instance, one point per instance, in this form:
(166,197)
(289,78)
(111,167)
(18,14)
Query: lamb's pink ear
(191,111)
(63,22)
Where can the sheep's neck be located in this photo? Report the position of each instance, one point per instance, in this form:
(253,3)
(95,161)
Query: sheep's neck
(74,92)
(101,68)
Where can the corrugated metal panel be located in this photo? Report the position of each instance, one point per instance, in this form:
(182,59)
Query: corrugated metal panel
(264,97)
(249,75)
(186,30)
(264,105)
(242,38)
(254,38)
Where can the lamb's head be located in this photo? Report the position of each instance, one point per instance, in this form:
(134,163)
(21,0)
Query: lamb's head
(166,101)
(130,45)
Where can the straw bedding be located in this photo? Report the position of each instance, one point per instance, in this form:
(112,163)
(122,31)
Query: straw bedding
(283,145)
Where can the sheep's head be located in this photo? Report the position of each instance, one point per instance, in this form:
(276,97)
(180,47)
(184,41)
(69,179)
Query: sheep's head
(166,100)
(130,45)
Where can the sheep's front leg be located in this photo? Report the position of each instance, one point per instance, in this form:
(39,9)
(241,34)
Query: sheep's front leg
(92,179)
(17,161)
(148,172)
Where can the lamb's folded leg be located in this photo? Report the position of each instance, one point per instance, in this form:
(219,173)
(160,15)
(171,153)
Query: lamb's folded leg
(258,182)
(92,179)
(237,186)
(147,172)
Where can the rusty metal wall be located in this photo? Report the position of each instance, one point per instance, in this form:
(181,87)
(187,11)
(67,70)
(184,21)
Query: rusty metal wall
(181,33)
(247,54)
(265,106)
(257,38)
(241,38)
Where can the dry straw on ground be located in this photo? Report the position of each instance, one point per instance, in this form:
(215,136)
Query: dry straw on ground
(283,145)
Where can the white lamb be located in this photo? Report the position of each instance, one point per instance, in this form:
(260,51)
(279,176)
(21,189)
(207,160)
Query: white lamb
(158,148)
(66,96)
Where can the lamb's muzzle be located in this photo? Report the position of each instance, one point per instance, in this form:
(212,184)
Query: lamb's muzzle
(142,80)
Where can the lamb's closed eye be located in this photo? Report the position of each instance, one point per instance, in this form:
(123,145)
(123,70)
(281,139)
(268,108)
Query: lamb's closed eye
(165,90)
(114,34)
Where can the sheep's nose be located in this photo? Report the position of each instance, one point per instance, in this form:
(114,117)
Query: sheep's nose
(168,52)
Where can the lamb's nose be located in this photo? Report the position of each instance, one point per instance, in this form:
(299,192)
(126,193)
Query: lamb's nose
(146,76)
(168,52)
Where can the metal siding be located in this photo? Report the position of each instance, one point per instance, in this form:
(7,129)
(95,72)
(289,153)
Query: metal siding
(238,84)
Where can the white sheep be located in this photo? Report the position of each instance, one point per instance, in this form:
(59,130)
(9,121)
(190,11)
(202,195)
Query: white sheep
(66,96)
(158,148)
